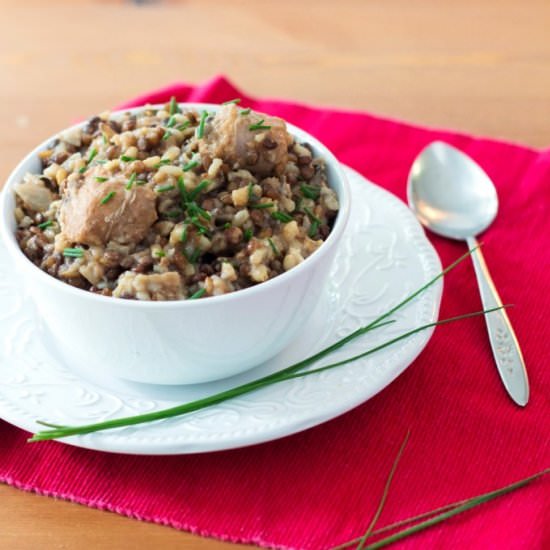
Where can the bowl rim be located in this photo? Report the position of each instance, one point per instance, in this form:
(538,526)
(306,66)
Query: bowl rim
(338,229)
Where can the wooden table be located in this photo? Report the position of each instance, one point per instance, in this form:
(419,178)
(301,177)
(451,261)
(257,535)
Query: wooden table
(482,67)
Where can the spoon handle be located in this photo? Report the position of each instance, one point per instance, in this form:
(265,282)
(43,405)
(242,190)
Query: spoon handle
(504,344)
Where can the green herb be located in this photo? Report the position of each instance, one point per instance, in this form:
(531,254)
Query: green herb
(45,225)
(101,161)
(237,100)
(73,252)
(194,209)
(199,189)
(159,253)
(174,107)
(258,126)
(164,188)
(91,157)
(202,229)
(131,181)
(310,191)
(291,372)
(141,182)
(101,179)
(245,112)
(126,158)
(311,215)
(193,257)
(183,125)
(226,225)
(190,165)
(107,197)
(105,140)
(200,129)
(281,216)
(199,294)
(250,190)
(248,234)
(183,237)
(261,205)
(162,162)
(166,135)
(313,228)
(183,191)
(173,214)
(273,247)
(171,122)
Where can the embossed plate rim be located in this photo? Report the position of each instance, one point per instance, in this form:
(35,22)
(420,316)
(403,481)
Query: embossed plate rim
(150,440)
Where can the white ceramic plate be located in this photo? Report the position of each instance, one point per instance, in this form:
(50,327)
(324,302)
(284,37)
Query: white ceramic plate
(384,256)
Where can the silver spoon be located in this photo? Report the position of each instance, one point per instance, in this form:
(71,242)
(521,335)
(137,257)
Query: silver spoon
(451,195)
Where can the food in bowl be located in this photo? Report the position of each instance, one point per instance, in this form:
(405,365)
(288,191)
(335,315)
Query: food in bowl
(172,204)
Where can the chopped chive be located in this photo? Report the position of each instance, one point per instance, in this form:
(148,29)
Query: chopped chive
(202,229)
(245,112)
(105,140)
(108,197)
(126,158)
(131,181)
(250,191)
(311,215)
(200,129)
(171,122)
(159,253)
(101,161)
(199,294)
(164,188)
(182,190)
(173,214)
(162,162)
(199,189)
(313,228)
(262,205)
(194,209)
(195,256)
(141,182)
(183,125)
(101,179)
(281,216)
(226,225)
(91,157)
(258,126)
(190,165)
(237,100)
(45,225)
(248,234)
(174,107)
(309,191)
(273,247)
(183,237)
(166,135)
(73,252)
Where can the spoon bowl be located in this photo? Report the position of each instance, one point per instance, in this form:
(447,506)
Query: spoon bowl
(450,194)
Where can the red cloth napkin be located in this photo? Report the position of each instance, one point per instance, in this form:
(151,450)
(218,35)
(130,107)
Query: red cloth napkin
(321,487)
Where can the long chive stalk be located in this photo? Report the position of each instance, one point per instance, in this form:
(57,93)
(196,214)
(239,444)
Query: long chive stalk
(463,506)
(284,374)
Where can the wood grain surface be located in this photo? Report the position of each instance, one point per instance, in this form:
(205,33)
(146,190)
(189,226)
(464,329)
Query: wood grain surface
(479,66)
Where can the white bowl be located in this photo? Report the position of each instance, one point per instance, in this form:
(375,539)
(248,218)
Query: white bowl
(177,342)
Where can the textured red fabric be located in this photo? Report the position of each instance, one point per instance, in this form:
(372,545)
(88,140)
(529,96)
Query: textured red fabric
(320,488)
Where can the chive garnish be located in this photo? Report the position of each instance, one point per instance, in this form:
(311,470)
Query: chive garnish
(91,157)
(237,100)
(226,225)
(192,258)
(73,252)
(101,161)
(173,214)
(108,197)
(250,191)
(166,135)
(248,234)
(262,205)
(183,125)
(194,209)
(202,122)
(131,181)
(190,165)
(313,228)
(309,191)
(258,126)
(202,229)
(199,189)
(101,179)
(159,253)
(174,107)
(126,158)
(281,216)
(311,215)
(162,162)
(105,140)
(164,188)
(183,237)
(245,112)
(45,225)
(183,191)
(171,122)
(273,247)
(199,294)
(141,182)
